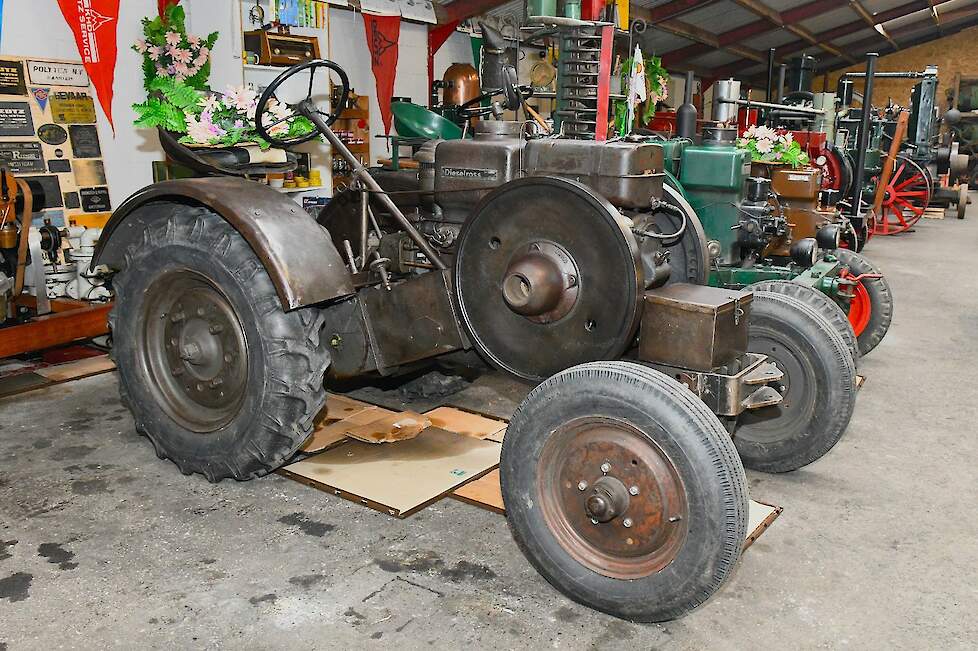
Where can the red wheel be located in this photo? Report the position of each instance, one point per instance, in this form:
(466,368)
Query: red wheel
(836,173)
(905,198)
(860,306)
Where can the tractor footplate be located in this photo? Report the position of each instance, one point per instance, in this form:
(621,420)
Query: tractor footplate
(729,392)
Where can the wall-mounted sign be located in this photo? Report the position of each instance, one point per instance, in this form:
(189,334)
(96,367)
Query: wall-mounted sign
(41,97)
(89,172)
(84,141)
(53,73)
(72,108)
(15,119)
(52,134)
(12,78)
(59,166)
(22,157)
(95,199)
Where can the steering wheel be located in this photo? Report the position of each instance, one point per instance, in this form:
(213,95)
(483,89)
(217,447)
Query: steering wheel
(304,107)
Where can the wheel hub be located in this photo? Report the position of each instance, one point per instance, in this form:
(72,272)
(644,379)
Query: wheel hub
(613,498)
(194,348)
(541,282)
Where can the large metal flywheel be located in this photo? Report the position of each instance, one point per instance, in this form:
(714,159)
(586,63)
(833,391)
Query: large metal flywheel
(547,276)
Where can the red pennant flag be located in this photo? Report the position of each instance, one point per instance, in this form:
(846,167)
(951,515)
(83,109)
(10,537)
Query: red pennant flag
(94,23)
(437,35)
(163,3)
(382,34)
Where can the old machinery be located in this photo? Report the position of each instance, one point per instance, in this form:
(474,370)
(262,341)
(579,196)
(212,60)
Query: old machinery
(48,293)
(550,257)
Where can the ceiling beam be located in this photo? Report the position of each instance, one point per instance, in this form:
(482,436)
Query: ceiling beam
(868,18)
(700,35)
(671,9)
(964,13)
(920,40)
(750,30)
(775,18)
(461,9)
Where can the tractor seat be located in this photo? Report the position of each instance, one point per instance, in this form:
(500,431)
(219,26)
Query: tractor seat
(226,161)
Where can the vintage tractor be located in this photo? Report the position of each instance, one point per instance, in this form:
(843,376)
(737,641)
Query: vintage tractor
(550,257)
(777,226)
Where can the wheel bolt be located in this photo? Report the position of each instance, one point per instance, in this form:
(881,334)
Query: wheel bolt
(633,490)
(606,467)
(582,485)
(627,522)
(177,317)
(175,372)
(216,382)
(215,328)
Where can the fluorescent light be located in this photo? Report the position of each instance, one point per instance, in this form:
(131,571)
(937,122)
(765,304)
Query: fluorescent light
(933,10)
(879,28)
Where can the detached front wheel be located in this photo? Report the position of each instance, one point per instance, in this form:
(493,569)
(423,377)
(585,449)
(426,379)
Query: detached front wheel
(624,491)
(217,375)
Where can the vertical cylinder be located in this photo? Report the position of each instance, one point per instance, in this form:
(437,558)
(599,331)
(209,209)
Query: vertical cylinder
(686,113)
(781,71)
(768,117)
(864,124)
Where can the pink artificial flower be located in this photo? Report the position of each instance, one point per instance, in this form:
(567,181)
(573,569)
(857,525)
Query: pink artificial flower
(193,39)
(172,38)
(155,52)
(140,46)
(181,70)
(180,55)
(211,103)
(764,145)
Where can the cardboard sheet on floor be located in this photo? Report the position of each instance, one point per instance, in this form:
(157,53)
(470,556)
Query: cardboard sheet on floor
(485,493)
(56,374)
(337,417)
(398,478)
(467,423)
(391,428)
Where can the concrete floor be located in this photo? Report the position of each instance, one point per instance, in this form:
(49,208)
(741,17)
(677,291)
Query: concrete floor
(103,545)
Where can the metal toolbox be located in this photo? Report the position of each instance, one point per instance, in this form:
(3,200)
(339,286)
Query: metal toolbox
(626,174)
(694,327)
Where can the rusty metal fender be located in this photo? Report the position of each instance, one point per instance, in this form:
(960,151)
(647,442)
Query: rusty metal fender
(297,253)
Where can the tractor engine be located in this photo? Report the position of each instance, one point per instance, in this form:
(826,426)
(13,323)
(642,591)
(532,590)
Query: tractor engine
(738,211)
(607,187)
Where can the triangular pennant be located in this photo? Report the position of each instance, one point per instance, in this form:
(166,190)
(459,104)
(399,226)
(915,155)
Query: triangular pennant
(41,96)
(382,34)
(94,23)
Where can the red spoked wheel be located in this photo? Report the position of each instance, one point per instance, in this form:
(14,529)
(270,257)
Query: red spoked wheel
(905,198)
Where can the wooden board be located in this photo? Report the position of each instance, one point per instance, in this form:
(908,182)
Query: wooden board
(485,493)
(467,423)
(77,369)
(51,375)
(398,478)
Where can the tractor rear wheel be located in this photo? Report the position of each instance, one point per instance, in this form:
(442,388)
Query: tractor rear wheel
(818,387)
(217,375)
(817,301)
(871,309)
(624,490)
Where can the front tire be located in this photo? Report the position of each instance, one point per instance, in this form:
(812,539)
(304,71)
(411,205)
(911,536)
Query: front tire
(217,375)
(818,302)
(624,491)
(818,387)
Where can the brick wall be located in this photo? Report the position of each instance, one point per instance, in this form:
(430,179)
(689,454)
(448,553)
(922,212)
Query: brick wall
(952,54)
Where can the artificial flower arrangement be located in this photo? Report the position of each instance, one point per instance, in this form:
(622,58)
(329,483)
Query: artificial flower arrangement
(176,68)
(656,86)
(768,145)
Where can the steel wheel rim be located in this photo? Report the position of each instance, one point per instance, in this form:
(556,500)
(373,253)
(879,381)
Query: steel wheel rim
(768,424)
(194,351)
(596,456)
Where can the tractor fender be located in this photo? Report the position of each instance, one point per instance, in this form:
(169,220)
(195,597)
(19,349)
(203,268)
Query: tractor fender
(297,253)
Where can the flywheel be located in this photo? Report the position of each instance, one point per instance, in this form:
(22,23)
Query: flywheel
(547,276)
